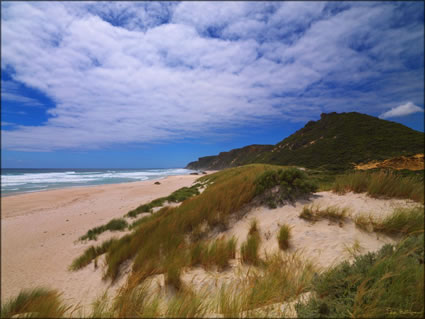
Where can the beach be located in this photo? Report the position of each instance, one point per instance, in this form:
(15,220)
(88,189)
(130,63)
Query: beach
(40,230)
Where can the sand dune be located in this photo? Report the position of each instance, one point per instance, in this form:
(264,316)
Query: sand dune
(39,233)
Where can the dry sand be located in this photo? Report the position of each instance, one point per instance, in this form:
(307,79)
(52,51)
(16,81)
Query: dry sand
(39,230)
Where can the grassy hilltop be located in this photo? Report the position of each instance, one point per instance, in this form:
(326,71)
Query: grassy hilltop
(335,142)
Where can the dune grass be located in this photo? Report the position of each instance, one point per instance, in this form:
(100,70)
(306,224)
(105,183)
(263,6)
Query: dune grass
(249,249)
(284,237)
(151,241)
(402,221)
(215,253)
(35,303)
(115,224)
(382,183)
(154,239)
(90,254)
(315,213)
(385,284)
(177,196)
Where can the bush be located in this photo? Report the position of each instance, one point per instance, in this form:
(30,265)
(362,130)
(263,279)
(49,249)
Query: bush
(284,237)
(292,183)
(385,284)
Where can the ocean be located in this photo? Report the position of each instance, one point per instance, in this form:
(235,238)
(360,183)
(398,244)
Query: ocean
(14,181)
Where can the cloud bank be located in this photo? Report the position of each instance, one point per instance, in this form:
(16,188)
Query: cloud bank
(131,73)
(402,110)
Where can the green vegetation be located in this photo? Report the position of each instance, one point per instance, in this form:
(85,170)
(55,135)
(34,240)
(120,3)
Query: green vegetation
(249,249)
(332,213)
(115,224)
(35,303)
(335,142)
(291,183)
(177,196)
(284,237)
(402,221)
(382,183)
(217,252)
(385,284)
(90,254)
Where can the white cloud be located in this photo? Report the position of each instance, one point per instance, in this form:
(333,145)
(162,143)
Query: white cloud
(160,76)
(402,110)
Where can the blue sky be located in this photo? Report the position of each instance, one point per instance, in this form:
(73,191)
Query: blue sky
(157,84)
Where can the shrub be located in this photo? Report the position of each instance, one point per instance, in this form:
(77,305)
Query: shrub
(284,237)
(385,284)
(291,183)
(35,303)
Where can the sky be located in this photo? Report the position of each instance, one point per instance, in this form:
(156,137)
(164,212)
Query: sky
(159,84)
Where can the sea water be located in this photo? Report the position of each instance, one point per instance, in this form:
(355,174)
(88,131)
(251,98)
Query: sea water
(15,181)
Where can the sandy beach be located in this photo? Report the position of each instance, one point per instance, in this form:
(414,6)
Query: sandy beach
(39,232)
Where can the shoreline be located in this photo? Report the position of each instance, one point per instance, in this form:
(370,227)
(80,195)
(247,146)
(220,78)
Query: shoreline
(40,232)
(2,195)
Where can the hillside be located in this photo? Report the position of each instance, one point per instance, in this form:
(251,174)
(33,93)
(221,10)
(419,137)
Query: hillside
(337,141)
(237,157)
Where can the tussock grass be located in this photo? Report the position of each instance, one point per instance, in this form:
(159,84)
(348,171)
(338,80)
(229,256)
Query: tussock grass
(35,303)
(187,304)
(385,284)
(284,237)
(217,252)
(382,183)
(115,224)
(402,221)
(314,213)
(249,249)
(281,278)
(354,250)
(90,254)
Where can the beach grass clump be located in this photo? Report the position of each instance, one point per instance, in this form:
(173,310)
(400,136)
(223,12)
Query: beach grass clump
(186,304)
(35,303)
(183,193)
(177,196)
(249,249)
(90,254)
(402,221)
(381,183)
(215,253)
(384,284)
(281,278)
(281,185)
(116,224)
(284,237)
(314,213)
